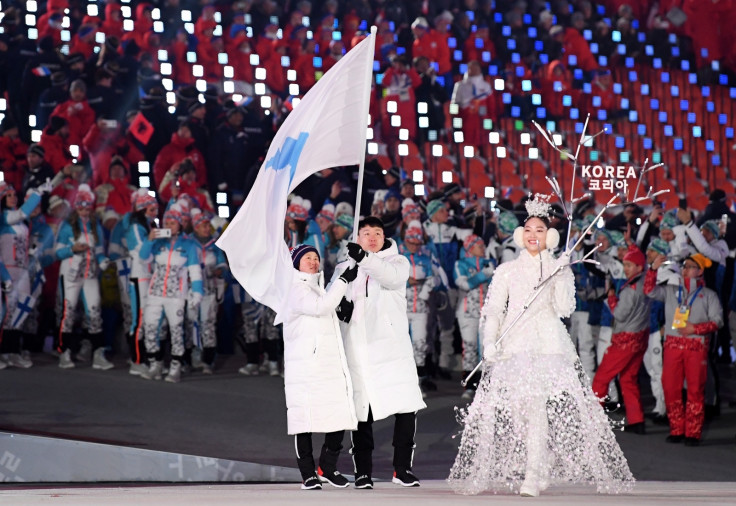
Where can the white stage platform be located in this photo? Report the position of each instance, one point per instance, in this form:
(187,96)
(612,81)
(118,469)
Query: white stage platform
(430,493)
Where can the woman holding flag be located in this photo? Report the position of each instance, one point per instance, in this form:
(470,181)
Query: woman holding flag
(319,393)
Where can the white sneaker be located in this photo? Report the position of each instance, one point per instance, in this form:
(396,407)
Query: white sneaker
(16,360)
(3,364)
(249,370)
(207,368)
(273,369)
(174,375)
(154,371)
(137,369)
(85,351)
(65,360)
(99,361)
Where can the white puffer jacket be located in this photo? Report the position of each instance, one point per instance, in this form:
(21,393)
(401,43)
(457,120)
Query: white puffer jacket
(319,394)
(377,339)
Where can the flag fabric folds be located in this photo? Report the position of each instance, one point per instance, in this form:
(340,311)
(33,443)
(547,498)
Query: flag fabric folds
(327,129)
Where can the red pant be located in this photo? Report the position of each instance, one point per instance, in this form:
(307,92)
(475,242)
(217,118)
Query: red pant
(624,358)
(685,358)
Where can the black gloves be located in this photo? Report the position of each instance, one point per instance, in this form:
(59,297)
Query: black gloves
(356,252)
(350,274)
(344,310)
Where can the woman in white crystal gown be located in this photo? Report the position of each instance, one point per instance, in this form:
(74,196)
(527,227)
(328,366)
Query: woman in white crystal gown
(534,420)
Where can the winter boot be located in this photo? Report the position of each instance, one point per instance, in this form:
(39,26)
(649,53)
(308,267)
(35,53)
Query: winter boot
(249,370)
(99,361)
(65,359)
(175,368)
(154,370)
(85,351)
(273,368)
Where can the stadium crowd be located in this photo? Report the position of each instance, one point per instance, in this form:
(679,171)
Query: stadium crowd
(132,132)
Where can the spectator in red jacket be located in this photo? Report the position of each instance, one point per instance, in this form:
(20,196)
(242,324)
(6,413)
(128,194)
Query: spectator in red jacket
(296,20)
(304,66)
(49,23)
(77,112)
(441,36)
(480,47)
(555,86)
(116,192)
(275,72)
(181,147)
(100,143)
(239,59)
(399,83)
(573,43)
(350,25)
(335,54)
(13,162)
(54,141)
(113,24)
(143,24)
(182,181)
(181,69)
(424,43)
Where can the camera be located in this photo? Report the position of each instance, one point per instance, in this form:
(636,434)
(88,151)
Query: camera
(162,233)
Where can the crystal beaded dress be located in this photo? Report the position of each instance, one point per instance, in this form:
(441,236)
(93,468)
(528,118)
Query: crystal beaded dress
(534,415)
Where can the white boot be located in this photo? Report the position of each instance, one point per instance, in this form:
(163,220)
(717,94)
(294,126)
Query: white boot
(137,369)
(65,360)
(174,375)
(249,370)
(99,361)
(197,359)
(85,351)
(16,360)
(273,368)
(154,370)
(529,489)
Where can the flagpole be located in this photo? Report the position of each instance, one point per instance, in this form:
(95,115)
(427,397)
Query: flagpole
(361,165)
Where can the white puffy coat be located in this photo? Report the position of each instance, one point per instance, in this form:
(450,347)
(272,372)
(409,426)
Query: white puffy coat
(319,394)
(377,341)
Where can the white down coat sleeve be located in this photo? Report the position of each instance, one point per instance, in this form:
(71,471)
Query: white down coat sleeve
(563,292)
(494,308)
(391,273)
(305,302)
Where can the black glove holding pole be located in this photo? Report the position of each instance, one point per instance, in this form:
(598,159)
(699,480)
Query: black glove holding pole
(356,252)
(350,274)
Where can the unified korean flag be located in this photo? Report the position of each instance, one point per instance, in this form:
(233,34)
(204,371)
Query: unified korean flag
(326,129)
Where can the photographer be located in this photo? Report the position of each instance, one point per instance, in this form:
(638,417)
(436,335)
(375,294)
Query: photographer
(176,279)
(180,180)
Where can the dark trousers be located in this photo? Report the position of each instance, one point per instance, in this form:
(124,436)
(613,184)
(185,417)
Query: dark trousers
(328,456)
(405,425)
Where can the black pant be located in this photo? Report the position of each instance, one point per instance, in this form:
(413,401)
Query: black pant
(405,426)
(328,456)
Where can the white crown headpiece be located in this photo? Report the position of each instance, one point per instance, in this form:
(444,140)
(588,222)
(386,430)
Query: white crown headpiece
(539,206)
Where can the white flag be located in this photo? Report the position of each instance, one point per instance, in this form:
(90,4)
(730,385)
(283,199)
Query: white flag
(326,129)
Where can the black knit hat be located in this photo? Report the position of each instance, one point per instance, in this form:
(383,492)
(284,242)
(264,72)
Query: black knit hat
(299,251)
(37,149)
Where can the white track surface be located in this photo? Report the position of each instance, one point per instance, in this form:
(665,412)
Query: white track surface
(385,494)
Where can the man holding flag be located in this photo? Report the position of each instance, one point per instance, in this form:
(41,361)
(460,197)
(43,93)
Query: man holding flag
(327,129)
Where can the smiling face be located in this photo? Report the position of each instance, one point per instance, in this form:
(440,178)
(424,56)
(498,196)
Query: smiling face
(535,235)
(309,263)
(371,239)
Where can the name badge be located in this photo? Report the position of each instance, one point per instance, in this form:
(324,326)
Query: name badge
(680,319)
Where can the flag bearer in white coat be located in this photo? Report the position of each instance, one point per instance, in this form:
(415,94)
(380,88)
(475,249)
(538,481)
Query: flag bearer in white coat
(379,352)
(319,393)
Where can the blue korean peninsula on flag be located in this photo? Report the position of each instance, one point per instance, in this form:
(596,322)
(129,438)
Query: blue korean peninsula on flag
(326,129)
